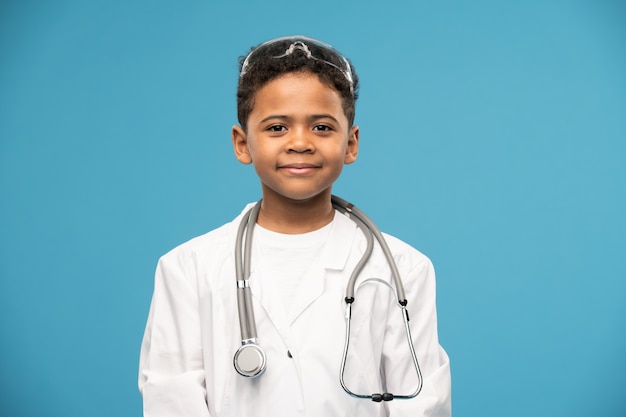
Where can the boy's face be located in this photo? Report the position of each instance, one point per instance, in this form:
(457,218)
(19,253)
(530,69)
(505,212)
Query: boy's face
(298,137)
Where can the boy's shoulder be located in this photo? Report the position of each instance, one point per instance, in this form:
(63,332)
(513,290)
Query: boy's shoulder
(405,255)
(212,240)
(403,252)
(396,244)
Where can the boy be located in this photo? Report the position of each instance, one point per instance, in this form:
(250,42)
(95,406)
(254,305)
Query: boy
(296,99)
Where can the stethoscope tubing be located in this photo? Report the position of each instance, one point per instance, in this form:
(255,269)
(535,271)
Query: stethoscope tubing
(369,229)
(367,224)
(244,294)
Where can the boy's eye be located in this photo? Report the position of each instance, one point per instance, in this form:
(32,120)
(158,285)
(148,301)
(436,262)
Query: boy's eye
(322,128)
(277,128)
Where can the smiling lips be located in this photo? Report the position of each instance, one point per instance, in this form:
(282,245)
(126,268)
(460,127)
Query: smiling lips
(298,168)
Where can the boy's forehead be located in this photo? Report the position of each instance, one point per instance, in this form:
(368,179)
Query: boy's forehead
(298,93)
(301,78)
(297,86)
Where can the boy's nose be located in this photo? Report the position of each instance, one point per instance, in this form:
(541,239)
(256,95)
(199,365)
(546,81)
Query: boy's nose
(299,141)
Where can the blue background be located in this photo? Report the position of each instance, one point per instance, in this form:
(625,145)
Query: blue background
(493,138)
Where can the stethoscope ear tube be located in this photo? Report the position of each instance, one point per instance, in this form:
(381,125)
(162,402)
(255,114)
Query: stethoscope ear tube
(361,219)
(251,322)
(242,282)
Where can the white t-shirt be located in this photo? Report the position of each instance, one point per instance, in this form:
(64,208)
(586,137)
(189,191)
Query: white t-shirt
(288,260)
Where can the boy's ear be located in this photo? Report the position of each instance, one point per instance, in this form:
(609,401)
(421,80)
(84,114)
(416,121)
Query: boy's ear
(352,150)
(240,145)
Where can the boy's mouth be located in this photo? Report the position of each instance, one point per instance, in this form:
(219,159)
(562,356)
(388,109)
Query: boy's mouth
(298,168)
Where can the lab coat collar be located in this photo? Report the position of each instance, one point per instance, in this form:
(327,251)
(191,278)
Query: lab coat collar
(340,240)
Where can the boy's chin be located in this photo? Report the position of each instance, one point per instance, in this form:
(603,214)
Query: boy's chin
(297,197)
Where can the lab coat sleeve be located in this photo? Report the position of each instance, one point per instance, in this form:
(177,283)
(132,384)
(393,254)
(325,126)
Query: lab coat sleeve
(434,399)
(171,372)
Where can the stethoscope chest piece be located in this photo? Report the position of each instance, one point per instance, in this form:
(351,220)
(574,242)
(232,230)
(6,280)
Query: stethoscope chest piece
(250,360)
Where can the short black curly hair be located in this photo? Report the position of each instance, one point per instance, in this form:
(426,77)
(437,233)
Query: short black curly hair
(265,68)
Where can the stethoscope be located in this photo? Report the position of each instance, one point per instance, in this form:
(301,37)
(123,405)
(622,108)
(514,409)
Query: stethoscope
(250,359)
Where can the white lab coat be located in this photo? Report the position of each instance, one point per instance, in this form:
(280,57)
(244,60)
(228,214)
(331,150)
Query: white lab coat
(192,333)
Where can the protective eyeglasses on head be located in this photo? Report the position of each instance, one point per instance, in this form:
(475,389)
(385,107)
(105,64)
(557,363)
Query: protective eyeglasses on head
(312,48)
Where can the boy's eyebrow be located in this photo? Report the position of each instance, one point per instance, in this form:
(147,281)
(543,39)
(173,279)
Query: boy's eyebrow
(275,116)
(312,117)
(323,116)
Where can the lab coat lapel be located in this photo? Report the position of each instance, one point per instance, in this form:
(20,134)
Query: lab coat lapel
(268,298)
(334,256)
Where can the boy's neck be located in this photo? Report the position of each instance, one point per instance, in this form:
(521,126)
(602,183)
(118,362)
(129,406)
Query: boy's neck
(282,215)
